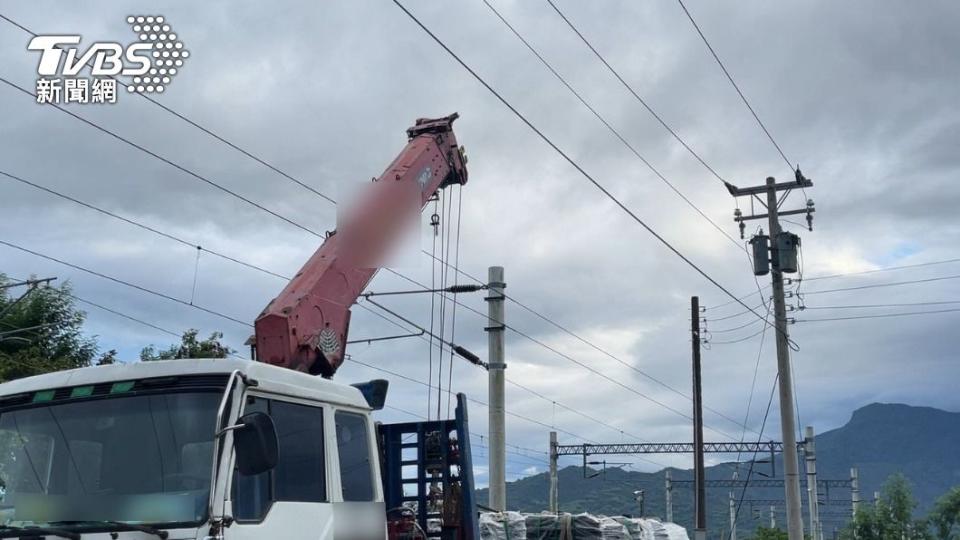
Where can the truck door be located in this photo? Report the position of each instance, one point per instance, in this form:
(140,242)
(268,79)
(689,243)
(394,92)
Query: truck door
(292,501)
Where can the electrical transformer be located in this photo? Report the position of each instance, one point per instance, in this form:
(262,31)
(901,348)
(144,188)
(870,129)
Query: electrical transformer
(787,245)
(761,254)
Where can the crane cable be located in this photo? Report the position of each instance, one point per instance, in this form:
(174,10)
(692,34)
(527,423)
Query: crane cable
(456,271)
(434,222)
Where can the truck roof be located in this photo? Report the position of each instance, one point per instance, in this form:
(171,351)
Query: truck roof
(270,377)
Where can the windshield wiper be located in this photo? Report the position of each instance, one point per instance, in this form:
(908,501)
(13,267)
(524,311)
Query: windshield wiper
(120,526)
(9,531)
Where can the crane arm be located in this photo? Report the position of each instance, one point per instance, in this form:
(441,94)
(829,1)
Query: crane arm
(305,327)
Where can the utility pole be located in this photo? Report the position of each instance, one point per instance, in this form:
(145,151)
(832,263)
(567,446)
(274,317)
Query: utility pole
(855,490)
(773,517)
(700,501)
(813,494)
(554,504)
(31,284)
(497,422)
(783,258)
(668,479)
(733,517)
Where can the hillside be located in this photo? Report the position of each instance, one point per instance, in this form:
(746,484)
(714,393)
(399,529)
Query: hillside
(880,439)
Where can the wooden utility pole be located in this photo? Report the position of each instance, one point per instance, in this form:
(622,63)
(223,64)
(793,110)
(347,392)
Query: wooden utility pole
(700,502)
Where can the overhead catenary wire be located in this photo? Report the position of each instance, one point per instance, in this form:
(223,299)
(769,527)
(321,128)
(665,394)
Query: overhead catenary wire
(308,230)
(243,151)
(118,313)
(237,261)
(124,282)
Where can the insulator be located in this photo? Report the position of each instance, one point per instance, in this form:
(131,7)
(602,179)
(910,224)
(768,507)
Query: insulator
(464,288)
(761,254)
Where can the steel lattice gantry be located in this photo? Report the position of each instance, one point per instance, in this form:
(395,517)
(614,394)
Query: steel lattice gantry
(781,502)
(667,448)
(765,483)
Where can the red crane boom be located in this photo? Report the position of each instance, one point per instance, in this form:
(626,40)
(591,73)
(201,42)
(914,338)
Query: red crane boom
(305,327)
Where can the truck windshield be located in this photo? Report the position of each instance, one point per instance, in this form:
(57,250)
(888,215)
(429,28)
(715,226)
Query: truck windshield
(134,459)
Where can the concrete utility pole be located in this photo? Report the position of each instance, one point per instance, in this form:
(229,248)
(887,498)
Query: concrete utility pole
(497,422)
(554,504)
(855,490)
(789,432)
(668,478)
(733,517)
(782,259)
(700,498)
(813,494)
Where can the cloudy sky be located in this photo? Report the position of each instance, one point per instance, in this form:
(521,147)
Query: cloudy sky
(863,97)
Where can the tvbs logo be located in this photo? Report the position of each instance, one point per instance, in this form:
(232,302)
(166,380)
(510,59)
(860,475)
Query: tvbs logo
(152,61)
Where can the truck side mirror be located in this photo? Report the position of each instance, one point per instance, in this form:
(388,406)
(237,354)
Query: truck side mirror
(255,443)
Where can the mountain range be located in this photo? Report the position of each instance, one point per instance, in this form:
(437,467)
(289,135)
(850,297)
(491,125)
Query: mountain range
(880,439)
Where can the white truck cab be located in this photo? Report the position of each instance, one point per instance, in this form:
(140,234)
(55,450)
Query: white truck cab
(184,449)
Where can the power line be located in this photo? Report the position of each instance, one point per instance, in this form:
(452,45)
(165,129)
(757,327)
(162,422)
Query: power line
(735,86)
(169,162)
(127,316)
(884,269)
(198,126)
(902,304)
(735,328)
(123,282)
(138,224)
(888,284)
(295,180)
(753,385)
(218,186)
(630,147)
(570,160)
(753,460)
(880,316)
(635,94)
(740,340)
(516,453)
(610,127)
(850,274)
(258,268)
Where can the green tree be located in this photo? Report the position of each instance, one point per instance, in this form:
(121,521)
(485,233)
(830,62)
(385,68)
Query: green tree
(41,332)
(769,533)
(945,517)
(189,347)
(891,518)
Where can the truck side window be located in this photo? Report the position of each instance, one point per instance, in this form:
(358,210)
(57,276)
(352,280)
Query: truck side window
(300,474)
(356,473)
